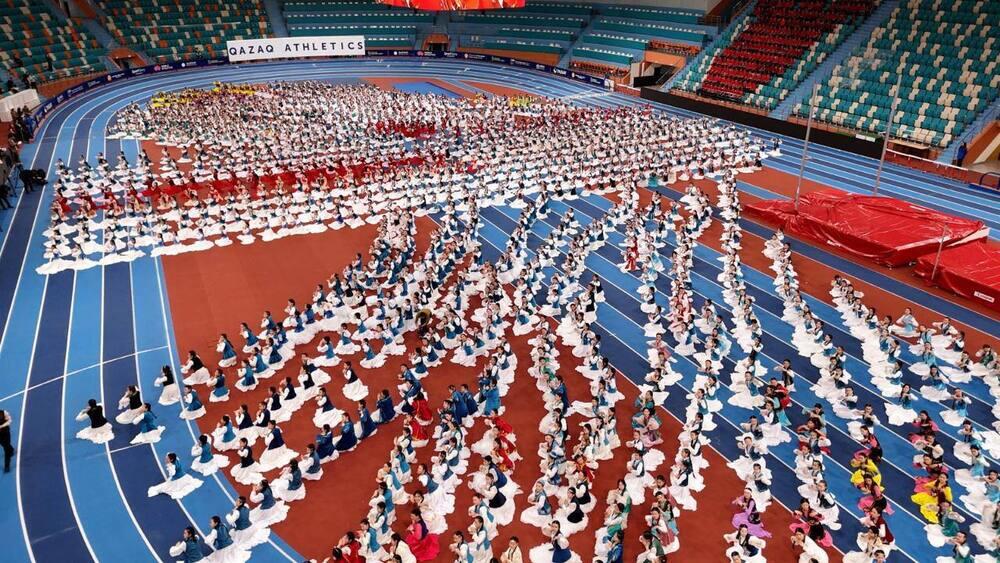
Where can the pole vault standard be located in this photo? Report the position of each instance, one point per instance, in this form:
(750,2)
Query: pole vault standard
(805,146)
(888,133)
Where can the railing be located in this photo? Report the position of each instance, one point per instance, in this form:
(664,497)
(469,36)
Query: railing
(945,169)
(673,48)
(995,185)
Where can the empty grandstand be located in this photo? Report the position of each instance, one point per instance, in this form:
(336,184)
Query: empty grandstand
(37,44)
(168,30)
(774,49)
(943,54)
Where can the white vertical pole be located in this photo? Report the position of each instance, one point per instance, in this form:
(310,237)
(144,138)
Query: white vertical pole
(805,146)
(888,134)
(937,259)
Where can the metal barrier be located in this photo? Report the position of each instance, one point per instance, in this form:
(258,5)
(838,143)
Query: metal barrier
(996,180)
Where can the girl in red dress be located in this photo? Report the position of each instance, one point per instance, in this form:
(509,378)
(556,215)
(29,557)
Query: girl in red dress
(422,410)
(423,544)
(417,432)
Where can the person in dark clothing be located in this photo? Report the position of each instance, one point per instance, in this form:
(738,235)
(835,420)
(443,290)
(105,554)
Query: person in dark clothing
(4,194)
(8,449)
(963,151)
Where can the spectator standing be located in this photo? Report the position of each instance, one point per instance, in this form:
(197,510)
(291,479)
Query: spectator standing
(963,151)
(8,448)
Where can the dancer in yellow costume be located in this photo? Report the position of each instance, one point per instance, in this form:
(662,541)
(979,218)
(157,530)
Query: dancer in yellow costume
(929,494)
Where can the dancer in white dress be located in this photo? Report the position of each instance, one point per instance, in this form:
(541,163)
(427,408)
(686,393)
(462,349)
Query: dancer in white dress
(179,482)
(100,430)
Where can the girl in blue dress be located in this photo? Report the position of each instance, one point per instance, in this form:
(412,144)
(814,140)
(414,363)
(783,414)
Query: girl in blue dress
(379,519)
(459,406)
(188,550)
(149,431)
(195,370)
(311,464)
(260,367)
(268,511)
(326,444)
(179,482)
(220,537)
(275,361)
(556,550)
(491,399)
(276,454)
(348,440)
(419,362)
(371,549)
(205,462)
(249,338)
(371,359)
(435,350)
(248,379)
(928,359)
(539,512)
(224,435)
(288,487)
(246,426)
(383,497)
(241,526)
(274,408)
(385,411)
(219,390)
(346,346)
(959,408)
(193,407)
(225,347)
(326,412)
(171,391)
(328,355)
(365,426)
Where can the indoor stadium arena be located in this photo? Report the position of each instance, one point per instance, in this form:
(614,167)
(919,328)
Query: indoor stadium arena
(479,281)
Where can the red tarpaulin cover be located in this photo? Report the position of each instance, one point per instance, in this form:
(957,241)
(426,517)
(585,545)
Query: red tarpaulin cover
(970,270)
(889,231)
(455,4)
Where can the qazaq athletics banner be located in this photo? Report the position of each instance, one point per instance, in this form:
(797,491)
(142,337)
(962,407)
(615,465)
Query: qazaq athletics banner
(456,4)
(295,47)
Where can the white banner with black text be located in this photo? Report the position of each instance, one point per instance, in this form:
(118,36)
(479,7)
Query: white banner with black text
(295,47)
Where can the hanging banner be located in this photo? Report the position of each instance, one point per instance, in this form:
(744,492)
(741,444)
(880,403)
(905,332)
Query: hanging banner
(442,5)
(295,47)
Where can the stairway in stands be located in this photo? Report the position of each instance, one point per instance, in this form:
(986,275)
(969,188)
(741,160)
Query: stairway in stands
(277,17)
(823,71)
(722,38)
(989,114)
(564,61)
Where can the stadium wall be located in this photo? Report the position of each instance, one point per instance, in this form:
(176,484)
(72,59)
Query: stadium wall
(865,146)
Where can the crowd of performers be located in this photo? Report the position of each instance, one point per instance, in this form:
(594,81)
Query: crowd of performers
(942,362)
(364,166)
(270,161)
